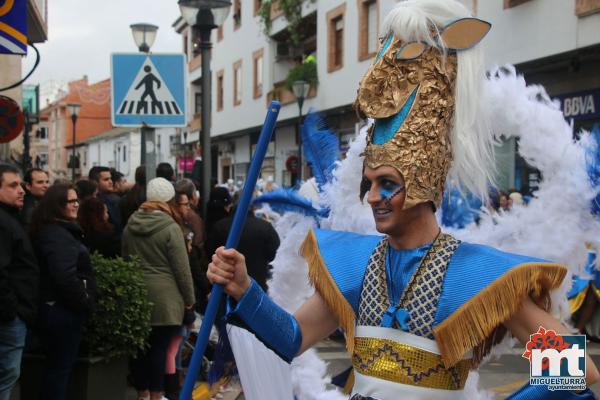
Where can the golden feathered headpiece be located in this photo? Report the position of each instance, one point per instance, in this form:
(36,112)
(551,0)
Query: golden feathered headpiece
(411,93)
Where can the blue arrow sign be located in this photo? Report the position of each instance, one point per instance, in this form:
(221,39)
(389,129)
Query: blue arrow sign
(148,89)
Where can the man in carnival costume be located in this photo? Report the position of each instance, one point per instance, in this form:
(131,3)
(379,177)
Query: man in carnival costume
(419,307)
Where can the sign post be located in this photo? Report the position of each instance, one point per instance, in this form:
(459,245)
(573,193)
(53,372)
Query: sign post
(148,91)
(31,101)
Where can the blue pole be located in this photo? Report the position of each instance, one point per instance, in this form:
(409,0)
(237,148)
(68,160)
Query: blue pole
(232,241)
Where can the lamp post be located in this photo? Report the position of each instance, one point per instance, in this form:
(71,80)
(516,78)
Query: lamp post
(144,36)
(300,89)
(26,161)
(74,111)
(203,16)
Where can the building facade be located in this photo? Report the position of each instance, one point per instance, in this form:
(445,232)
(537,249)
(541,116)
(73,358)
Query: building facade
(39,142)
(120,148)
(552,42)
(93,119)
(555,43)
(249,69)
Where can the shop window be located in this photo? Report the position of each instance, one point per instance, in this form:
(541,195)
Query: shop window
(368,22)
(335,38)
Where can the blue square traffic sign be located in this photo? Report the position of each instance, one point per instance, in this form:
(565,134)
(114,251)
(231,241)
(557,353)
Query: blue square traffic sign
(148,89)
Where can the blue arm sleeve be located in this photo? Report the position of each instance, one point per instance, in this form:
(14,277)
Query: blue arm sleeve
(529,392)
(271,324)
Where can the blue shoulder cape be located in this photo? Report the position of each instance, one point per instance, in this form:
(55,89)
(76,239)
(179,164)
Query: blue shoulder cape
(482,289)
(581,285)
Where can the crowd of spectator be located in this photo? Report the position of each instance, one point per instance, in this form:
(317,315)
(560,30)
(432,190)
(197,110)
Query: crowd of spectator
(47,286)
(504,201)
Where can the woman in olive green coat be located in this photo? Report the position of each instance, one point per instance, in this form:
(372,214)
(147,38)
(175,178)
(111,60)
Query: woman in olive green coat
(154,235)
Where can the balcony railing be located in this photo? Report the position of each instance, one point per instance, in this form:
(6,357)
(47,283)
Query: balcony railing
(285,96)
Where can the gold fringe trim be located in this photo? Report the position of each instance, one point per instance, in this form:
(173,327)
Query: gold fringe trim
(319,277)
(576,302)
(596,291)
(477,324)
(349,383)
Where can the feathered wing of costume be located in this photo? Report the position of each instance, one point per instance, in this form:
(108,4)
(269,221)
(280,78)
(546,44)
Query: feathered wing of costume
(423,65)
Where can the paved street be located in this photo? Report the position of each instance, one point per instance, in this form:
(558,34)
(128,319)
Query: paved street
(501,377)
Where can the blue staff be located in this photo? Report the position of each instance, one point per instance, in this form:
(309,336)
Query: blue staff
(232,241)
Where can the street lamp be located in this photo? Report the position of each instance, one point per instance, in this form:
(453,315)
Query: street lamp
(203,16)
(74,111)
(300,89)
(144,35)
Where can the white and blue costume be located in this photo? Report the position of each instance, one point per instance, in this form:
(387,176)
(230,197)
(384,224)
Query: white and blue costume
(416,321)
(421,333)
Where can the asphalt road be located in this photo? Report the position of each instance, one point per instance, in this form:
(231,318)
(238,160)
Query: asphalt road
(500,377)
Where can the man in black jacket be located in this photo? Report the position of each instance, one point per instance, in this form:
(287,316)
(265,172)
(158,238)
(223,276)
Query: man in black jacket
(258,243)
(103,178)
(19,280)
(36,184)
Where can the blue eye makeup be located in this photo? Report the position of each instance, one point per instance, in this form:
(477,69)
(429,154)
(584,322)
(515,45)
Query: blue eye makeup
(388,189)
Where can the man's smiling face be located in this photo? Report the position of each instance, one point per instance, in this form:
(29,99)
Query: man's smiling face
(386,197)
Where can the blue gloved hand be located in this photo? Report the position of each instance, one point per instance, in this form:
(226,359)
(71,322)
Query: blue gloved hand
(271,324)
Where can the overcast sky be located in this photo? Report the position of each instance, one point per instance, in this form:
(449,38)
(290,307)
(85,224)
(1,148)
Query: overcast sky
(83,33)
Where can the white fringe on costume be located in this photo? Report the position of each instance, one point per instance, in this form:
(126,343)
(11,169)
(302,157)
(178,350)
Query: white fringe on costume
(254,362)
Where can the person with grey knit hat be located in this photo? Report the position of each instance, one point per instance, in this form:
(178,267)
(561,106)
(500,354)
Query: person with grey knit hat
(154,234)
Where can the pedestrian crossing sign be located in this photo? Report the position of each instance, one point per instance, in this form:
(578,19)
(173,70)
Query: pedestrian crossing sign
(148,89)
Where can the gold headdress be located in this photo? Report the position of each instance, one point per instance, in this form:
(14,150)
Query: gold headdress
(410,92)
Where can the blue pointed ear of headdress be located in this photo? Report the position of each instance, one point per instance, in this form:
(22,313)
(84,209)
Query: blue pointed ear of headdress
(464,33)
(289,200)
(320,146)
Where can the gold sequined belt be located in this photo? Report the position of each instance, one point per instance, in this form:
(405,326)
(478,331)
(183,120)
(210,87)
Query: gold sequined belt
(401,363)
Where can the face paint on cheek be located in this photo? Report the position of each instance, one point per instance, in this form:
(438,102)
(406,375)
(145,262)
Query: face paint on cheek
(387,195)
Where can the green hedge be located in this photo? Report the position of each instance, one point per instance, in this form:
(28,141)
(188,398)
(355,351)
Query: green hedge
(120,325)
